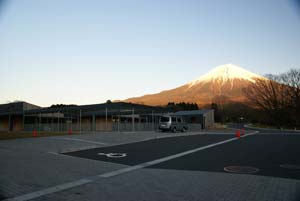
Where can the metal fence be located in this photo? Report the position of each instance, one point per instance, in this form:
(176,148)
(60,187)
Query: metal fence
(115,127)
(75,127)
(95,121)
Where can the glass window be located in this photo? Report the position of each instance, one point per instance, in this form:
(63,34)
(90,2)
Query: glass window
(164,119)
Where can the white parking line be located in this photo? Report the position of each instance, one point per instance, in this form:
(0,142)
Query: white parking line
(83,181)
(81,140)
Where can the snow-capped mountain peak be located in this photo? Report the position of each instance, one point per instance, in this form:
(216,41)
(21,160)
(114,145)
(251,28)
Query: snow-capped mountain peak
(227,72)
(224,82)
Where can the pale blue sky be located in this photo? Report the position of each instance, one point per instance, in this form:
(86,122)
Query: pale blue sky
(84,52)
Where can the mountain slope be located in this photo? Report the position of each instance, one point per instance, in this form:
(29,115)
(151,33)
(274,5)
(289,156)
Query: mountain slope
(226,81)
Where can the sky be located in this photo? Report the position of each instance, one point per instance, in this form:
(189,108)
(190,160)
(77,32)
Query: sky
(87,52)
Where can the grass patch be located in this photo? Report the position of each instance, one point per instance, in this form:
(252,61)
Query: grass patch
(219,126)
(6,135)
(273,127)
(264,126)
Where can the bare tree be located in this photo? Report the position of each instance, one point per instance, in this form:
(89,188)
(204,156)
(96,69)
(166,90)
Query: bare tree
(268,95)
(292,80)
(278,96)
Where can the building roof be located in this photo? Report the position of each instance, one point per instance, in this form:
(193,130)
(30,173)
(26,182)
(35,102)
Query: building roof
(123,108)
(17,107)
(98,109)
(192,112)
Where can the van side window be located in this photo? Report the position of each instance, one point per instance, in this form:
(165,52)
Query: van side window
(179,120)
(173,119)
(164,119)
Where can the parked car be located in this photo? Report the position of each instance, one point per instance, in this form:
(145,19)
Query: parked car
(172,123)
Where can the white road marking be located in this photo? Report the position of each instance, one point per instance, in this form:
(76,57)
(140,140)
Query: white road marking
(113,155)
(80,140)
(255,132)
(54,153)
(83,181)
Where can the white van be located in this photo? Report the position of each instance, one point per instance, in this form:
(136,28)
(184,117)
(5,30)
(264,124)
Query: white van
(172,123)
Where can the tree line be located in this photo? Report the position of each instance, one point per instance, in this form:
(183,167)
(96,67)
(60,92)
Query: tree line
(274,101)
(182,106)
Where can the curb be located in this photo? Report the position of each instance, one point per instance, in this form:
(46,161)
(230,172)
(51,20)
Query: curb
(270,129)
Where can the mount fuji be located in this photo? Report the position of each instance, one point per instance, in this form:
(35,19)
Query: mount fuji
(223,82)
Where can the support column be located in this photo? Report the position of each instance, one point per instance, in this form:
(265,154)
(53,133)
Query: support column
(105,119)
(93,123)
(9,122)
(58,122)
(119,123)
(72,123)
(52,122)
(23,121)
(133,120)
(79,121)
(40,119)
(152,121)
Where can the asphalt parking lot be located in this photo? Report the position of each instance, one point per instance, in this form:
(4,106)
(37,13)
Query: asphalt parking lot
(276,155)
(150,150)
(150,166)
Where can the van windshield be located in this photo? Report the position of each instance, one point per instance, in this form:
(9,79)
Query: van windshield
(164,119)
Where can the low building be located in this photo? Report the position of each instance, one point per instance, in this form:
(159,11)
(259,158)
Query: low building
(22,116)
(194,117)
(11,115)
(120,116)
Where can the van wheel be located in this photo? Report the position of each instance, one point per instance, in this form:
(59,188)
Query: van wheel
(174,130)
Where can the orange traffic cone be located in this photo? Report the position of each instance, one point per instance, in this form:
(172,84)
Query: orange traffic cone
(34,133)
(238,133)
